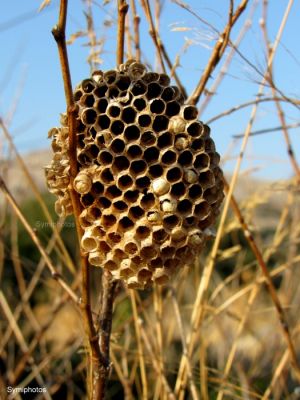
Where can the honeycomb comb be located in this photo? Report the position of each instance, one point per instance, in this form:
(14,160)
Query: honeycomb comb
(149,179)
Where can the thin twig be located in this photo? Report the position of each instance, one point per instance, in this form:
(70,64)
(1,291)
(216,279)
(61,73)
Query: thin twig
(136,24)
(122,11)
(217,53)
(55,275)
(95,385)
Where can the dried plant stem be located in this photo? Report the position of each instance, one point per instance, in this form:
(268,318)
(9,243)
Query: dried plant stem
(153,33)
(136,29)
(96,385)
(281,116)
(217,53)
(213,89)
(66,257)
(271,288)
(122,11)
(55,275)
(105,324)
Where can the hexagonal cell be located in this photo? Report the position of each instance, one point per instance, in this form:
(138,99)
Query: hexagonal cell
(144,120)
(96,258)
(142,183)
(168,205)
(110,77)
(120,205)
(103,202)
(113,192)
(128,115)
(195,192)
(157,106)
(132,133)
(78,94)
(214,158)
(110,265)
(101,105)
(167,250)
(105,157)
(142,231)
(148,250)
(178,190)
(120,163)
(184,207)
(144,274)
(131,247)
(88,242)
(138,88)
(87,200)
(147,201)
(151,154)
(173,108)
(178,234)
(137,167)
(139,104)
(156,263)
(148,138)
(171,221)
(131,196)
(206,222)
(168,157)
(104,247)
(189,112)
(103,139)
(106,176)
(91,151)
(189,222)
(100,90)
(156,171)
(86,100)
(197,144)
(97,232)
(136,212)
(114,237)
(160,123)
(103,121)
(88,116)
(210,145)
(211,195)
(134,151)
(164,79)
(154,217)
(151,77)
(202,209)
(84,219)
(169,93)
(195,128)
(125,182)
(117,146)
(108,220)
(206,179)
(165,140)
(181,142)
(114,110)
(201,161)
(117,127)
(118,254)
(174,174)
(94,213)
(123,82)
(125,224)
(88,85)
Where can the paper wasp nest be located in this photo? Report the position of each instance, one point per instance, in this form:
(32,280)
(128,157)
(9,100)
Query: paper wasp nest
(148,180)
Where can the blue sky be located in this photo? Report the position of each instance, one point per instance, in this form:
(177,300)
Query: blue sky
(31,89)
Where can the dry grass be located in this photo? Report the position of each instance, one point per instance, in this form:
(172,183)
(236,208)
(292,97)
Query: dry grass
(227,328)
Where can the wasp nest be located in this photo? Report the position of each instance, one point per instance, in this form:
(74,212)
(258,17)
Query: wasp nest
(148,180)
